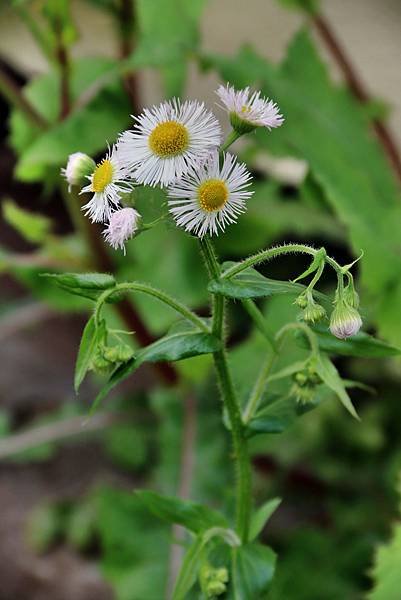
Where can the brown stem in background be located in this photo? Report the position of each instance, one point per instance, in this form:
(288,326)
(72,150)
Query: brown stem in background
(127,26)
(184,487)
(355,85)
(13,93)
(63,60)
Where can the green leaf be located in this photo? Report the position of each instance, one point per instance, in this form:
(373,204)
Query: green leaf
(89,341)
(276,417)
(85,130)
(195,517)
(87,285)
(326,126)
(330,376)
(361,344)
(253,567)
(387,572)
(32,226)
(252,284)
(188,572)
(172,347)
(261,516)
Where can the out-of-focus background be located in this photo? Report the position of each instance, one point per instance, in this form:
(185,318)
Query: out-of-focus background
(68,526)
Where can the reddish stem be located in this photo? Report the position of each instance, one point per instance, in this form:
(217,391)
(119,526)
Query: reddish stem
(355,85)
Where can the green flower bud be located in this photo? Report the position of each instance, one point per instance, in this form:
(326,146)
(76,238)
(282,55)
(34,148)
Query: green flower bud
(351,297)
(215,588)
(240,125)
(301,301)
(213,581)
(117,354)
(79,166)
(100,364)
(345,320)
(313,312)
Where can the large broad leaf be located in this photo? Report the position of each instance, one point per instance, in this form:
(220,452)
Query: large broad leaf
(195,517)
(253,568)
(386,571)
(325,126)
(86,130)
(172,347)
(362,344)
(88,285)
(252,284)
(167,47)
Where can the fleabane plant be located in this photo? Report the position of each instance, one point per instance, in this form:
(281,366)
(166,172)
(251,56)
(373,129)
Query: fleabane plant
(178,147)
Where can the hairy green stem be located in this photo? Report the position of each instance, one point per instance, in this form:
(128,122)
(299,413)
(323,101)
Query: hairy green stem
(272,253)
(160,295)
(240,444)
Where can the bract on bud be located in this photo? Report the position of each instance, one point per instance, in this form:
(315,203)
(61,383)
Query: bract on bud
(313,313)
(79,167)
(345,320)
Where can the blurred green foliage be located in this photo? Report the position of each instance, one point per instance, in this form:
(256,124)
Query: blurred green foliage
(336,477)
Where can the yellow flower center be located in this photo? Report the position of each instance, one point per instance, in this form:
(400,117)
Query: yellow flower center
(245,109)
(102,175)
(212,194)
(169,139)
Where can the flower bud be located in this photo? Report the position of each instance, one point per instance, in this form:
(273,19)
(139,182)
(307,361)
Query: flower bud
(345,320)
(122,226)
(79,166)
(313,312)
(241,126)
(351,297)
(117,354)
(301,301)
(213,581)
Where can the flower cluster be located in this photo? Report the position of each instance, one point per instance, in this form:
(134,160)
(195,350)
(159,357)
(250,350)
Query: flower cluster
(176,145)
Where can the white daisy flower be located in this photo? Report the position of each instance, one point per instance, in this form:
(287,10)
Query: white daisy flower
(79,166)
(123,224)
(168,140)
(108,181)
(249,110)
(210,197)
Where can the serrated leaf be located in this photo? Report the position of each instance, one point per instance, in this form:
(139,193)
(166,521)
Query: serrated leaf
(261,516)
(32,226)
(386,571)
(330,376)
(195,517)
(361,344)
(87,347)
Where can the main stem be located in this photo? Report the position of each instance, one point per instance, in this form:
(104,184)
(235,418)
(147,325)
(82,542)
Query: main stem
(240,444)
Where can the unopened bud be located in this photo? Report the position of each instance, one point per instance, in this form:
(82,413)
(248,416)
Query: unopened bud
(345,320)
(122,226)
(313,312)
(79,166)
(301,301)
(213,581)
(120,353)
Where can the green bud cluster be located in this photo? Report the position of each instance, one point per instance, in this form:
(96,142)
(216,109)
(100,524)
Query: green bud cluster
(305,383)
(213,581)
(312,311)
(107,357)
